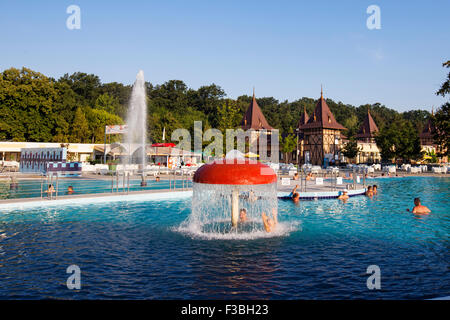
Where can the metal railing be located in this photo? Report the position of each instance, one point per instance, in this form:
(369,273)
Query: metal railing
(53,186)
(330,179)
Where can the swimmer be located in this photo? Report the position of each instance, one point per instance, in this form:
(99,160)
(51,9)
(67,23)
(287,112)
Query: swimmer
(375,189)
(243,215)
(295,176)
(70,190)
(50,189)
(295,196)
(344,196)
(270,224)
(369,191)
(309,176)
(419,208)
(158,179)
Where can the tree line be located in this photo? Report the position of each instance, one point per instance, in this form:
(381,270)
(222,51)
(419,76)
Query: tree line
(76,108)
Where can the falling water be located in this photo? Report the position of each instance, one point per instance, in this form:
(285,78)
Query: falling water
(211,212)
(136,136)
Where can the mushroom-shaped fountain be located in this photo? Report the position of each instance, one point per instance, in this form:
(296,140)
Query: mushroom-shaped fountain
(223,189)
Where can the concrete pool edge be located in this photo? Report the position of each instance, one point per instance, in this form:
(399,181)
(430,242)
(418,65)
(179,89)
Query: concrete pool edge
(139,196)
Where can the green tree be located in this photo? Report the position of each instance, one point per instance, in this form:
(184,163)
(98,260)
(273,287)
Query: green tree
(351,149)
(288,145)
(399,141)
(27,106)
(442,119)
(442,134)
(97,120)
(351,123)
(86,86)
(80,128)
(228,115)
(107,103)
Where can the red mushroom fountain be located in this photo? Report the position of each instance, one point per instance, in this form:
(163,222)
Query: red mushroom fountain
(230,186)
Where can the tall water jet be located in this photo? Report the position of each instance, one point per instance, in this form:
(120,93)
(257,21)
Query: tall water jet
(136,136)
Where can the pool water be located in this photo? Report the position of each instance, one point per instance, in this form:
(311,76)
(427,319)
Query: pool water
(137,250)
(32,188)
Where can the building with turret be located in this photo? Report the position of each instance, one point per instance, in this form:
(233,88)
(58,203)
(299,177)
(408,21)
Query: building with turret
(255,121)
(369,152)
(321,136)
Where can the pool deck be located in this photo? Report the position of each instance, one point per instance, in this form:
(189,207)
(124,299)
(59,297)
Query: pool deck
(81,199)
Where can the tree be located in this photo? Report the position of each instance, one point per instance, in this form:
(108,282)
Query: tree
(408,145)
(80,128)
(351,149)
(445,87)
(442,119)
(107,103)
(442,134)
(351,123)
(228,115)
(84,85)
(399,141)
(97,120)
(288,145)
(27,106)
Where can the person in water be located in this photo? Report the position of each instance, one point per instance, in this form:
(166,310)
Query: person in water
(369,191)
(70,190)
(270,223)
(296,176)
(344,196)
(295,196)
(158,179)
(419,208)
(50,189)
(375,189)
(243,215)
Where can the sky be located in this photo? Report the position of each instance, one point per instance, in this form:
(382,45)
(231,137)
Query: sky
(285,49)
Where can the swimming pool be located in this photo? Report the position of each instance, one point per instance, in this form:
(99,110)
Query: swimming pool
(32,188)
(136,250)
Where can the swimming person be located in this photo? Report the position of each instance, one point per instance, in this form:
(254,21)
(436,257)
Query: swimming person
(369,191)
(375,189)
(70,190)
(419,208)
(344,196)
(243,215)
(295,176)
(269,223)
(50,189)
(158,179)
(295,196)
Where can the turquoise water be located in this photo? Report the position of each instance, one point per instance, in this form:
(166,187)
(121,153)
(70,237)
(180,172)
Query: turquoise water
(136,250)
(32,188)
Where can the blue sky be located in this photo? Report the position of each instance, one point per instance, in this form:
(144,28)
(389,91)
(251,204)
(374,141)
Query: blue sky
(286,49)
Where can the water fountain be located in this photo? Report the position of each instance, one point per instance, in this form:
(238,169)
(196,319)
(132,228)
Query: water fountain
(136,136)
(223,188)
